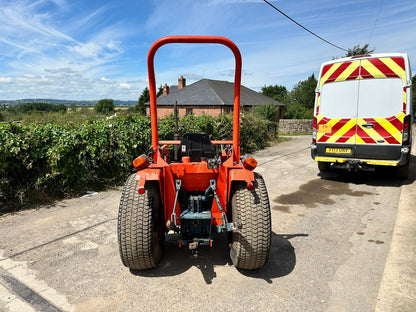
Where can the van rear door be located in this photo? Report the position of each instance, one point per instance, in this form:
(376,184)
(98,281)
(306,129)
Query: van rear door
(336,109)
(381,108)
(360,108)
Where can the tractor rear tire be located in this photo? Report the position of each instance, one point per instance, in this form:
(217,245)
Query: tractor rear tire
(251,244)
(141,232)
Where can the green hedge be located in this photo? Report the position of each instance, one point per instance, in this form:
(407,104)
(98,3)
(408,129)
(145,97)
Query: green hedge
(46,161)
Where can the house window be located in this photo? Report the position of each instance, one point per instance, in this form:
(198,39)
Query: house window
(189,111)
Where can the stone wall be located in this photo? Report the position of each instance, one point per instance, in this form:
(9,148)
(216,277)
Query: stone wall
(294,126)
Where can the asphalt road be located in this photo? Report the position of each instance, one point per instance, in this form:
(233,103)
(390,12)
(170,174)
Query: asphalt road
(331,237)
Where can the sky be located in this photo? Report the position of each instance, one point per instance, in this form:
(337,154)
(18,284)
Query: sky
(94,49)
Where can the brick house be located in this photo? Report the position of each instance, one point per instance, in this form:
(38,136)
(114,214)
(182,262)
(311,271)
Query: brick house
(208,97)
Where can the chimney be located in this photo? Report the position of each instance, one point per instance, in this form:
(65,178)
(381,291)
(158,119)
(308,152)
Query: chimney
(181,83)
(165,90)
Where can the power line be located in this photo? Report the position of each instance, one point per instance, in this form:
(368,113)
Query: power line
(334,45)
(375,22)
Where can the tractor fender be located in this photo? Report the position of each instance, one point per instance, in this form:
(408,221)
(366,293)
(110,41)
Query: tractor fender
(149,174)
(240,175)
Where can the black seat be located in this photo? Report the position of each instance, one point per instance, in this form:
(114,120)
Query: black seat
(197,146)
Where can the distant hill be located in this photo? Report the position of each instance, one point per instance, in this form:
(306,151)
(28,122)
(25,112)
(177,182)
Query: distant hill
(66,102)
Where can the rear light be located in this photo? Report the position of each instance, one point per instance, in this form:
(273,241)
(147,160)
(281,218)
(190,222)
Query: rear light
(141,162)
(314,130)
(406,130)
(249,163)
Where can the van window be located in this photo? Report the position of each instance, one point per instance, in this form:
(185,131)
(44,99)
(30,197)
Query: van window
(339,99)
(382,97)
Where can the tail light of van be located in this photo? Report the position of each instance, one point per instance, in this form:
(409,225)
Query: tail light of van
(315,130)
(406,130)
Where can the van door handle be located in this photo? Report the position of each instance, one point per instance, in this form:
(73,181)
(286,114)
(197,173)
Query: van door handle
(368,125)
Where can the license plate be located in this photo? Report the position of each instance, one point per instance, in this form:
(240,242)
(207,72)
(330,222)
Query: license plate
(337,150)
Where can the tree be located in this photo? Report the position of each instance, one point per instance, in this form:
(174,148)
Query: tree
(160,91)
(303,92)
(143,99)
(277,93)
(29,107)
(300,101)
(267,111)
(104,106)
(357,50)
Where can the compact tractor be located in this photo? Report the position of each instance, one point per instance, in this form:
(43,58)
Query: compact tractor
(197,194)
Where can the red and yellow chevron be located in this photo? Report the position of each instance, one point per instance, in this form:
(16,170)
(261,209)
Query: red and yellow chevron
(364,69)
(351,131)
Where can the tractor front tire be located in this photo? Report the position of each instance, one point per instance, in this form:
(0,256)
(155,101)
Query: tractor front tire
(250,246)
(140,228)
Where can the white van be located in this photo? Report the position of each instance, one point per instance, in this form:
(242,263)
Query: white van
(363,113)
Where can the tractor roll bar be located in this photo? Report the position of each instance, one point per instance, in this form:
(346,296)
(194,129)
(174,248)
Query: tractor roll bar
(237,83)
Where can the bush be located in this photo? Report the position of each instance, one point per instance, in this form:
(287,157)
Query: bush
(56,160)
(255,132)
(43,161)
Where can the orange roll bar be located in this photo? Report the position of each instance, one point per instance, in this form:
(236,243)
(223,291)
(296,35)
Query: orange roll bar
(237,83)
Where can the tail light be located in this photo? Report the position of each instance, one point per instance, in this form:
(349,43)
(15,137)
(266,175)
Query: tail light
(249,163)
(315,129)
(406,130)
(141,162)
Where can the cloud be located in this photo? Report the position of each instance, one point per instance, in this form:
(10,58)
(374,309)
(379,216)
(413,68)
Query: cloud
(5,79)
(63,70)
(91,50)
(41,37)
(125,86)
(106,80)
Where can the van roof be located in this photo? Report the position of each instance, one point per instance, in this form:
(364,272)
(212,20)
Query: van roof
(367,56)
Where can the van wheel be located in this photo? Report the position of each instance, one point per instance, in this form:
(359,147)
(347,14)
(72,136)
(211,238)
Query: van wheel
(140,229)
(251,244)
(403,171)
(324,166)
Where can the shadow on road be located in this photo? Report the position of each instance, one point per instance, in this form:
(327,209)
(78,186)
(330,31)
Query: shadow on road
(177,260)
(282,259)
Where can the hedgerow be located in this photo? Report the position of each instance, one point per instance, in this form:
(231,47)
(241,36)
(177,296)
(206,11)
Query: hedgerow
(40,162)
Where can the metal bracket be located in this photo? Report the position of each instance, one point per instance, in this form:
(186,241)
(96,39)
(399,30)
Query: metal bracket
(213,185)
(225,226)
(173,218)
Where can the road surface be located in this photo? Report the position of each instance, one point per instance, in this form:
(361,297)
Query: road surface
(331,236)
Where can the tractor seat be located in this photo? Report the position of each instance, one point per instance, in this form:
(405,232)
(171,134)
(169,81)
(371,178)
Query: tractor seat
(197,146)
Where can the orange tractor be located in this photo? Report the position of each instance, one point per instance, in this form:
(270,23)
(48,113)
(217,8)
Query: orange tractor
(197,194)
